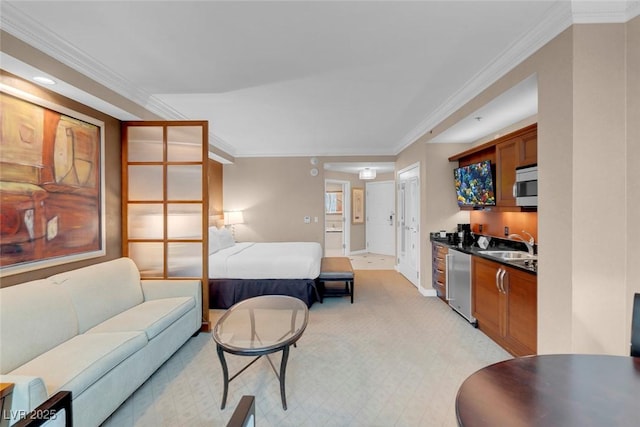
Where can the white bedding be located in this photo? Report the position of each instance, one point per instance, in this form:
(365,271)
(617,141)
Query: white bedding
(273,260)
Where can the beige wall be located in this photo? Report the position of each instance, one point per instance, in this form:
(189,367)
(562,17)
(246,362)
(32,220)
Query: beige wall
(438,207)
(599,190)
(585,282)
(587,151)
(553,65)
(214,176)
(632,229)
(275,195)
(112,180)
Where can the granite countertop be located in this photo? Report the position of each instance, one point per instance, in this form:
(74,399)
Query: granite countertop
(496,245)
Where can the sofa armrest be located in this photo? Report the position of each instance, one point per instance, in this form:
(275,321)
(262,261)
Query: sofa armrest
(157,289)
(28,393)
(54,412)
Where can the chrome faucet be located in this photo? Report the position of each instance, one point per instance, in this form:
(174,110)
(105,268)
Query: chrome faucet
(529,243)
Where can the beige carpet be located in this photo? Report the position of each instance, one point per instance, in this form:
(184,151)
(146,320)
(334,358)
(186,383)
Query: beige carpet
(369,261)
(393,358)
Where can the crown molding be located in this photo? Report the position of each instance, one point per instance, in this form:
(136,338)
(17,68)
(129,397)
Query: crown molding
(221,144)
(34,34)
(600,12)
(31,32)
(557,19)
(314,152)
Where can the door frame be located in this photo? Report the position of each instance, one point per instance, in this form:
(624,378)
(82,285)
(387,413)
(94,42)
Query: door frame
(422,289)
(346,214)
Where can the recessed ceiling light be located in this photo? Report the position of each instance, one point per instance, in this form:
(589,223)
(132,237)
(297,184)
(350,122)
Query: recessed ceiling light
(44,80)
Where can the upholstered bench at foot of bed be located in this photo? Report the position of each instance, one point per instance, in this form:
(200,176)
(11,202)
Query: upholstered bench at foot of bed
(336,269)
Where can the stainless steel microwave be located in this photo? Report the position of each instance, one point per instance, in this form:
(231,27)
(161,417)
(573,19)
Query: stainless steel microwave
(525,189)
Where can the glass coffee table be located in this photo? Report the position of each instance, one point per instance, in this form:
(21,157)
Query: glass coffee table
(257,327)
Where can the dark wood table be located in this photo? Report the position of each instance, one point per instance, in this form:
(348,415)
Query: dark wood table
(553,390)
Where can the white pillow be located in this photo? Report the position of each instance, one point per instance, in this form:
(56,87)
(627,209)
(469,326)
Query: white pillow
(226,238)
(214,240)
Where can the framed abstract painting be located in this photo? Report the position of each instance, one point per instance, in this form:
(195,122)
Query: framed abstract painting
(52,203)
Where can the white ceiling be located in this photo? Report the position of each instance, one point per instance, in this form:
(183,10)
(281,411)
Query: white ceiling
(519,102)
(306,78)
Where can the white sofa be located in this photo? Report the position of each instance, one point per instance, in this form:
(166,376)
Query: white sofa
(98,331)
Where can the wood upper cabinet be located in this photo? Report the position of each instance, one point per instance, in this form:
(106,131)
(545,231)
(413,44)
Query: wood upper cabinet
(507,154)
(505,305)
(521,150)
(528,148)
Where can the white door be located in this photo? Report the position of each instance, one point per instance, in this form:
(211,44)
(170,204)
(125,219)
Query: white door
(380,215)
(409,224)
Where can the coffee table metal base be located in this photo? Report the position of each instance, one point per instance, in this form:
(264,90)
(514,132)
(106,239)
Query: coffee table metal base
(280,375)
(257,327)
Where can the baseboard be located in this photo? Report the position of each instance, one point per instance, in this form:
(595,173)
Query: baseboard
(428,292)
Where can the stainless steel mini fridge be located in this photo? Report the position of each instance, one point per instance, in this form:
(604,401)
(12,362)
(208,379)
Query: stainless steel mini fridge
(459,283)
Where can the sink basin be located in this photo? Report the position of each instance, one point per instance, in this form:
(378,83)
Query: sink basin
(508,255)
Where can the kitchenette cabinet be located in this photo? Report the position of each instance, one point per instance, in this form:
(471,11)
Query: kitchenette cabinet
(439,267)
(520,150)
(505,305)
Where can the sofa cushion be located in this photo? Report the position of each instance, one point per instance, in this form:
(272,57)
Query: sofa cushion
(152,317)
(101,291)
(34,318)
(78,363)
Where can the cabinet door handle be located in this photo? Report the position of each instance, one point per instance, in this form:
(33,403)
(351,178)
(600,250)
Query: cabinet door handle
(514,190)
(498,279)
(504,272)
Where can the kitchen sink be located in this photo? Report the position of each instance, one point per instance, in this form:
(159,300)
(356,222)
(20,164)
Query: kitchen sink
(509,255)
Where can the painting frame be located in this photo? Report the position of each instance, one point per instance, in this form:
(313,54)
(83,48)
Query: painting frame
(357,205)
(68,206)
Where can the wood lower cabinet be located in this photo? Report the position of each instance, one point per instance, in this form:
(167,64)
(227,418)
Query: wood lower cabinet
(505,305)
(439,269)
(521,326)
(487,302)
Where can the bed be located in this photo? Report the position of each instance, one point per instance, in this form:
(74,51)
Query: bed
(238,271)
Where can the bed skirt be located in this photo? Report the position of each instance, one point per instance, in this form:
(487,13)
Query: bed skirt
(223,293)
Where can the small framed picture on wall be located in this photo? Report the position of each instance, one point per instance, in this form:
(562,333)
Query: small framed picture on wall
(357,211)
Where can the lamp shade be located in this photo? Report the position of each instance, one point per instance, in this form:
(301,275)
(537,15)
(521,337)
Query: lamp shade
(367,173)
(233,217)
